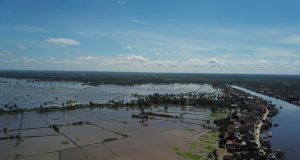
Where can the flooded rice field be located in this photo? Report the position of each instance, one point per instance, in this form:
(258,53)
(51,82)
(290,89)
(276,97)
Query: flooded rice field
(29,94)
(101,133)
(98,133)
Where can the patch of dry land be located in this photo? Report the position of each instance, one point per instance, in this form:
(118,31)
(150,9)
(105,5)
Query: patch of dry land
(96,134)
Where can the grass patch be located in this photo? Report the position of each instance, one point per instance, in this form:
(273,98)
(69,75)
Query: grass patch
(199,150)
(176,149)
(209,141)
(218,115)
(210,148)
(187,155)
(190,156)
(194,146)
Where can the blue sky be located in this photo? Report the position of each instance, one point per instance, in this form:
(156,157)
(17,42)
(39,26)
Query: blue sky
(234,36)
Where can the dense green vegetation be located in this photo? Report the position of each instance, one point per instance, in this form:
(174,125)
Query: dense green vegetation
(204,99)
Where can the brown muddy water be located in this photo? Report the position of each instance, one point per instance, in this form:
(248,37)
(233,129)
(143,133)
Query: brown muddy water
(103,134)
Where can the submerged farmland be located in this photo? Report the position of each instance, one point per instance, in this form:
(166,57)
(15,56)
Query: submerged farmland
(101,130)
(101,134)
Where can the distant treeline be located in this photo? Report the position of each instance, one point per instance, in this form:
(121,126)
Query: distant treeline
(131,78)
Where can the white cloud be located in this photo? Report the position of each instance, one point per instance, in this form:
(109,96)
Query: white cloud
(128,47)
(213,61)
(63,41)
(137,58)
(141,63)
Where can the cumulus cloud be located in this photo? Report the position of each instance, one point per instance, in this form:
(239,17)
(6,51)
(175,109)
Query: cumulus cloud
(137,58)
(195,62)
(213,61)
(63,41)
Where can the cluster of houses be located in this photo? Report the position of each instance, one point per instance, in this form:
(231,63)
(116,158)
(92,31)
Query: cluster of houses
(250,117)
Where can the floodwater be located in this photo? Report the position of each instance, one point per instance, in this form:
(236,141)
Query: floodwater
(106,134)
(286,136)
(29,94)
(98,133)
